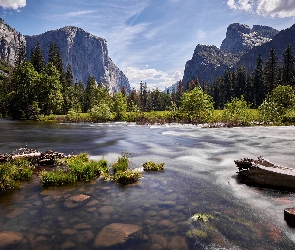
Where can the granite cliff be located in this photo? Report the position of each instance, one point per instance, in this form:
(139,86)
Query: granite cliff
(9,42)
(87,54)
(209,61)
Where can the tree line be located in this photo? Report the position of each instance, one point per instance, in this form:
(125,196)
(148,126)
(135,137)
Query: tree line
(35,88)
(254,86)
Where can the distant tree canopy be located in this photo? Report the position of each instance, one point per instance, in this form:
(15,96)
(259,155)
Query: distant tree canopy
(34,88)
(256,85)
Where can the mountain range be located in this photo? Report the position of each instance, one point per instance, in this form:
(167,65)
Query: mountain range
(241,46)
(87,54)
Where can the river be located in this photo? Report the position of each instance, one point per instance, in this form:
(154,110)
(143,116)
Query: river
(199,178)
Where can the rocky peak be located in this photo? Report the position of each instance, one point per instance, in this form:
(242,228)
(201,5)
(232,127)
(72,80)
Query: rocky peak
(87,54)
(206,63)
(240,38)
(10,40)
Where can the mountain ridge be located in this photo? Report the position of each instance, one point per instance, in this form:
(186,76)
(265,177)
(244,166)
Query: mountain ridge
(87,54)
(240,47)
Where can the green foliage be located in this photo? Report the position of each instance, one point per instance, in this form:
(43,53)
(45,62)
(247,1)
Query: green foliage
(101,113)
(13,171)
(75,168)
(152,166)
(126,177)
(58,177)
(197,106)
(119,106)
(122,174)
(121,164)
(277,103)
(237,112)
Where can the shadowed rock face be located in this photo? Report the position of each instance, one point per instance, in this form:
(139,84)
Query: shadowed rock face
(87,54)
(209,62)
(9,42)
(240,38)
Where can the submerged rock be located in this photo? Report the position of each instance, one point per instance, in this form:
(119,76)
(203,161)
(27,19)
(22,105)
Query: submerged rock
(114,234)
(9,240)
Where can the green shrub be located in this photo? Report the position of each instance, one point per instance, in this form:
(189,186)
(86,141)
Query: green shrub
(126,177)
(152,166)
(101,113)
(13,171)
(57,178)
(276,105)
(237,112)
(75,168)
(121,164)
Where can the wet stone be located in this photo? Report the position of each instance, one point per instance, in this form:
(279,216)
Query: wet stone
(10,239)
(79,198)
(92,203)
(69,231)
(85,236)
(106,209)
(92,209)
(68,245)
(114,234)
(82,226)
(178,242)
(15,212)
(159,240)
(166,224)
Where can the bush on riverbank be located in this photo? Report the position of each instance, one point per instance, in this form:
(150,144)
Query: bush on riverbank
(13,171)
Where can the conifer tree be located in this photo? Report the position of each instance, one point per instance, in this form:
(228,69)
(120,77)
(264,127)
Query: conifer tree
(54,57)
(258,88)
(91,94)
(271,71)
(288,71)
(37,58)
(20,57)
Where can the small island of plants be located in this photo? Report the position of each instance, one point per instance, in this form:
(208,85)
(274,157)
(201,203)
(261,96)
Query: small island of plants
(57,169)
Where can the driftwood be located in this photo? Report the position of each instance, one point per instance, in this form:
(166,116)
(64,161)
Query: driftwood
(36,157)
(263,172)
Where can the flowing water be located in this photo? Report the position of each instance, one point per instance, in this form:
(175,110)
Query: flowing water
(199,178)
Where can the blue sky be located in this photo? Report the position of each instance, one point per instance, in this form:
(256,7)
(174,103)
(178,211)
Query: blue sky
(149,40)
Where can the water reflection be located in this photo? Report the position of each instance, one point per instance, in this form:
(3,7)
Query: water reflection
(199,178)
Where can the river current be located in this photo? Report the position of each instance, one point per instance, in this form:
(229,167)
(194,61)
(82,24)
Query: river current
(199,178)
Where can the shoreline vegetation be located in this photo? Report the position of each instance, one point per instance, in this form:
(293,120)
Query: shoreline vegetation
(58,169)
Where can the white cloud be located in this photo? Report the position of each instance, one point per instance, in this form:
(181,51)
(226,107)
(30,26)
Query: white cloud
(279,8)
(272,8)
(12,4)
(154,78)
(78,13)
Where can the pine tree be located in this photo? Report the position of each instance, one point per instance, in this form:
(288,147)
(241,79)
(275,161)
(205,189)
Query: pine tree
(258,88)
(288,71)
(37,58)
(91,94)
(20,57)
(54,57)
(271,71)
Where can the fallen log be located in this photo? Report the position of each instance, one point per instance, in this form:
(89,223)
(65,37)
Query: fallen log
(289,216)
(263,172)
(36,157)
